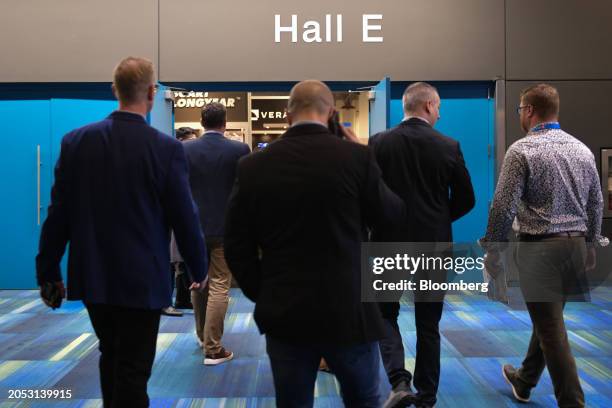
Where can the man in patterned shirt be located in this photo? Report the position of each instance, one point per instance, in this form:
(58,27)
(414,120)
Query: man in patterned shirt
(549,182)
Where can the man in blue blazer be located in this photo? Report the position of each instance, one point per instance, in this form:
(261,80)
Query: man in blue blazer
(120,185)
(212,169)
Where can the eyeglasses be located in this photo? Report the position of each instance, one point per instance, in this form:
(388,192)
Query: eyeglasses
(520,108)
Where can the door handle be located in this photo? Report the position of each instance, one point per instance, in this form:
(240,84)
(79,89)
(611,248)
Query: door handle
(38,165)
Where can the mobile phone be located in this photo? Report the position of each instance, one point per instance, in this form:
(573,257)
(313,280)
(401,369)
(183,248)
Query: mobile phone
(334,125)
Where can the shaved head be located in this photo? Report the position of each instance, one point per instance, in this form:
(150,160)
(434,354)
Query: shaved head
(310,96)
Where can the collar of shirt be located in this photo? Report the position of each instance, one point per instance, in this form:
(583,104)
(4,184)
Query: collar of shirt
(132,113)
(416,117)
(216,132)
(307,122)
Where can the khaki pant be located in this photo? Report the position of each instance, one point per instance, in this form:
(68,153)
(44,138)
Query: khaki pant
(210,305)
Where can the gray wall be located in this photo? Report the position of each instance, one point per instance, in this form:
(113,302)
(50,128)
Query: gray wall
(81,40)
(425,39)
(196,40)
(73,40)
(558,39)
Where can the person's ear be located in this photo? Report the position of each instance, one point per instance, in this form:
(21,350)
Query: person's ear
(289,118)
(151,93)
(115,93)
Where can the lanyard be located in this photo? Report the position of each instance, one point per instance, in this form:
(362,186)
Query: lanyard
(546,126)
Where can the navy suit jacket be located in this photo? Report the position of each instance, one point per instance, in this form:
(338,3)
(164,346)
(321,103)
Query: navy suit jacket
(120,185)
(212,162)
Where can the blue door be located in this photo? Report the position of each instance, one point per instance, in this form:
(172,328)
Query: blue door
(24,170)
(380,107)
(162,114)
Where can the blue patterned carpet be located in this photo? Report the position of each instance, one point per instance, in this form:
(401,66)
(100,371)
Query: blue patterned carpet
(44,349)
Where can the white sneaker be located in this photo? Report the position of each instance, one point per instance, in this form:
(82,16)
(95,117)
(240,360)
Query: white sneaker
(218,358)
(200,342)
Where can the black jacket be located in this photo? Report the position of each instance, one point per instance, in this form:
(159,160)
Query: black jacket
(296,220)
(426,169)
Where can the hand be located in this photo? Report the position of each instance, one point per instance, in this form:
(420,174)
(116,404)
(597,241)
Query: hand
(591,259)
(61,289)
(199,285)
(492,262)
(349,134)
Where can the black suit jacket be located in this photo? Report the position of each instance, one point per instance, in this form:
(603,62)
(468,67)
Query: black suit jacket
(426,169)
(296,220)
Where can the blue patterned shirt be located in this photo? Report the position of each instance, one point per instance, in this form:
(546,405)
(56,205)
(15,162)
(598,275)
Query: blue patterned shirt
(549,181)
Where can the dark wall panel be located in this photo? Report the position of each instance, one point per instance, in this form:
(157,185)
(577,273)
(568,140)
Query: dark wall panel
(558,39)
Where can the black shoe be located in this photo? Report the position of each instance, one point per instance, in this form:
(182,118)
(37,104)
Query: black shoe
(521,392)
(400,396)
(179,305)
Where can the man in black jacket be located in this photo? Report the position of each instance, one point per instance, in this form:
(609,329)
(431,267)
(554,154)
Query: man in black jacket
(294,228)
(426,169)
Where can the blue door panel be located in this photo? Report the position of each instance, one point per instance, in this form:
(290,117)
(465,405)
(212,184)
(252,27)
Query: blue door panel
(24,126)
(161,116)
(380,107)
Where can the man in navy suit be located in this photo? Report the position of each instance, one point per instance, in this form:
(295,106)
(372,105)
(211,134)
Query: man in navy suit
(120,186)
(212,169)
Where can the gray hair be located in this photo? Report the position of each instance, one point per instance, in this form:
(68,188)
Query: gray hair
(417,95)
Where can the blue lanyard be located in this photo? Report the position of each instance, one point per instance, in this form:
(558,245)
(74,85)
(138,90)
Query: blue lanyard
(546,126)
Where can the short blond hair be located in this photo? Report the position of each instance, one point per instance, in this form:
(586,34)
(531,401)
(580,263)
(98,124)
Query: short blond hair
(543,98)
(132,78)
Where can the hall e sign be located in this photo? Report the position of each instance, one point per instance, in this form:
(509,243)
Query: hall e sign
(315,32)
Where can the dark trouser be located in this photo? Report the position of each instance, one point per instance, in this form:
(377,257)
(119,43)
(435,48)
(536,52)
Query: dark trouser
(545,268)
(127,345)
(294,368)
(427,317)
